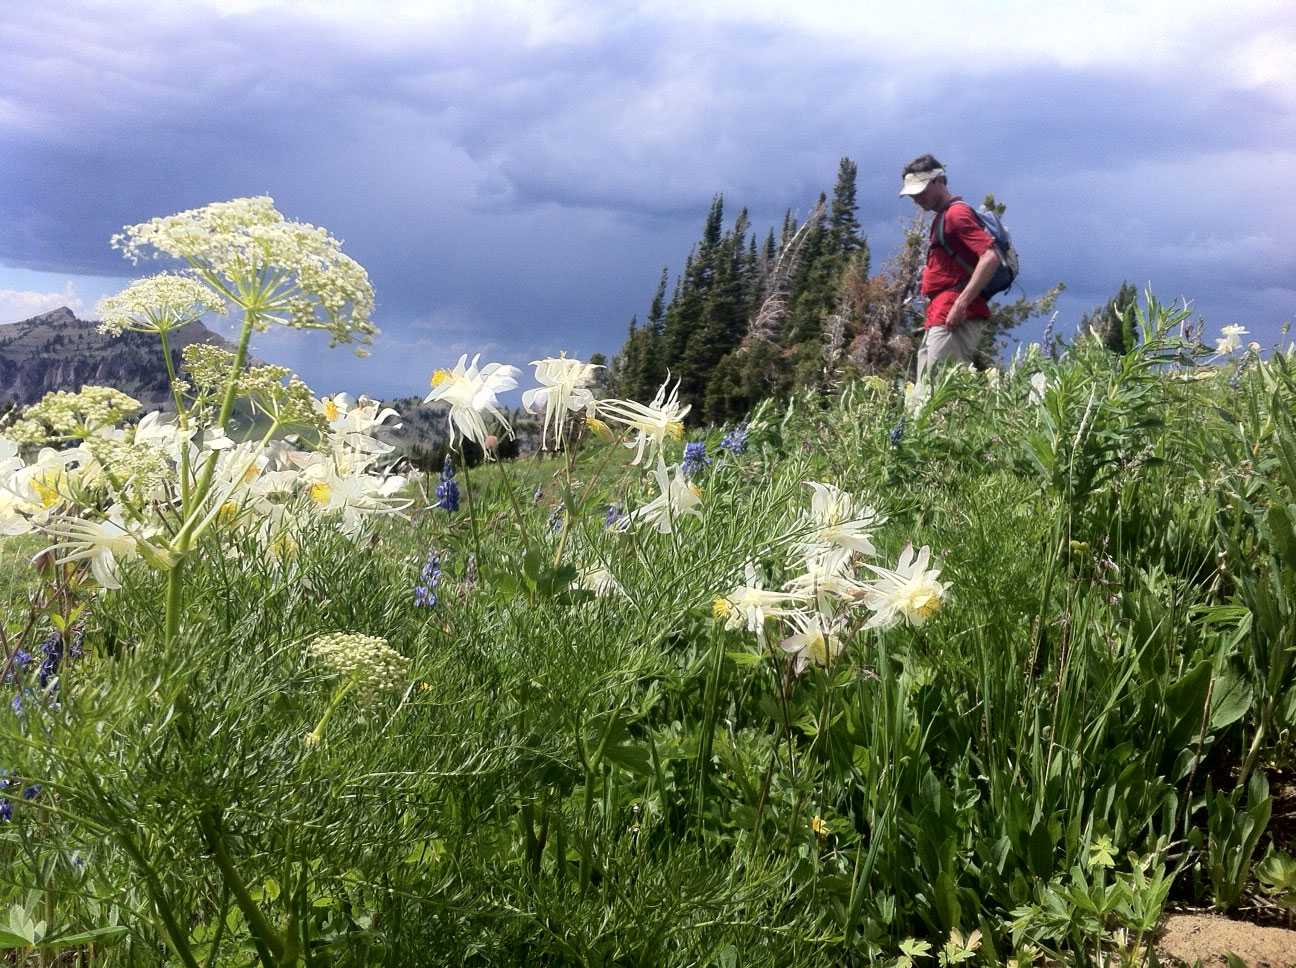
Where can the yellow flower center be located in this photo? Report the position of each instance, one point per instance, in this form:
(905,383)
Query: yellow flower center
(820,826)
(722,608)
(440,376)
(331,411)
(47,487)
(697,491)
(675,429)
(283,547)
(251,474)
(922,601)
(321,493)
(228,513)
(599,427)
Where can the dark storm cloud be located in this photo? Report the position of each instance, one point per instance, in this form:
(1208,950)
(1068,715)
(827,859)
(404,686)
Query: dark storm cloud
(526,194)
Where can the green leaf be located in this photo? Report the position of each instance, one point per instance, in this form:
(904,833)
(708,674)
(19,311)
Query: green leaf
(1232,700)
(108,935)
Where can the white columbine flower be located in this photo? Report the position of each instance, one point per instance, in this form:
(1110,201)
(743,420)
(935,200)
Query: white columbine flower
(1039,384)
(916,397)
(563,388)
(750,604)
(103,543)
(1231,341)
(600,581)
(910,593)
(662,418)
(679,496)
(815,641)
(157,304)
(471,392)
(837,519)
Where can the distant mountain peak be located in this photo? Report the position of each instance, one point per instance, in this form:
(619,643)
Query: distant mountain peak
(57,350)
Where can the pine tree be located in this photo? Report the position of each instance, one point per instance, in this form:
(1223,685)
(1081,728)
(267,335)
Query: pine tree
(1115,322)
(844,217)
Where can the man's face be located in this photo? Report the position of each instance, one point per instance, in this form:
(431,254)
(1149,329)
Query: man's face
(927,198)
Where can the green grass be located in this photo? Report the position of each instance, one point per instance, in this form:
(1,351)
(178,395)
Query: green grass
(571,779)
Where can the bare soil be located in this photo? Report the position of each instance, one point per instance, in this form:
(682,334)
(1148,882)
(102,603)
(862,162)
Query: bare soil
(1206,938)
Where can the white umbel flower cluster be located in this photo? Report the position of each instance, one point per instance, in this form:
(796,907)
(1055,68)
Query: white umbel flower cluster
(367,660)
(298,271)
(157,304)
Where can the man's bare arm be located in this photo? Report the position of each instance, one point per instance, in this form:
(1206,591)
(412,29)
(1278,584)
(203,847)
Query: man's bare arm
(985,268)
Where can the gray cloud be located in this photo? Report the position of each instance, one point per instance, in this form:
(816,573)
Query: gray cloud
(526,193)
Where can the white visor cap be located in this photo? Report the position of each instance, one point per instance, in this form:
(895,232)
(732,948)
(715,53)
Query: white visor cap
(916,181)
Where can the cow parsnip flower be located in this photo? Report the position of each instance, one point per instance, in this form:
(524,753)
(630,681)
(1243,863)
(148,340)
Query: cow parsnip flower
(472,393)
(64,415)
(564,388)
(365,660)
(910,593)
(157,304)
(281,271)
(653,423)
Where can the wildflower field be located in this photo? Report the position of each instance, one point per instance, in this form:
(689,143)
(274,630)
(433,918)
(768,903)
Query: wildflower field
(991,671)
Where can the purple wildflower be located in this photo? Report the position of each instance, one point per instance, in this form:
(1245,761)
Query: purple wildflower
(695,459)
(735,442)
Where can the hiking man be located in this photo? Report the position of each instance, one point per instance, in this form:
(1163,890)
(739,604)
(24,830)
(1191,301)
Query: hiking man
(953,278)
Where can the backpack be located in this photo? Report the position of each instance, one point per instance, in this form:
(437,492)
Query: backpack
(1006,274)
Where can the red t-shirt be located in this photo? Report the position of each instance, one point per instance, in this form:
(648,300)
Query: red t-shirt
(943,278)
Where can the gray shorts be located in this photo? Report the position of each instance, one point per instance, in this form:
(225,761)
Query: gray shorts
(940,343)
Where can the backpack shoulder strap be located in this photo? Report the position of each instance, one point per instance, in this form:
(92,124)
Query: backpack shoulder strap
(938,228)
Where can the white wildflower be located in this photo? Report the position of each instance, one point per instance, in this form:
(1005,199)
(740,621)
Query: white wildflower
(600,581)
(749,605)
(366,660)
(838,519)
(1039,386)
(471,393)
(910,593)
(564,387)
(662,418)
(1231,341)
(814,643)
(157,304)
(283,271)
(916,397)
(679,496)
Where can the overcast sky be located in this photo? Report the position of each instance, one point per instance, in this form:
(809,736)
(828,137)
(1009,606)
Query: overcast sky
(515,175)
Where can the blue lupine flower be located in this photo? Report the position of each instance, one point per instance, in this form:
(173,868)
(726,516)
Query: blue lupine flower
(613,516)
(695,459)
(539,493)
(735,442)
(897,434)
(425,595)
(6,809)
(52,647)
(31,792)
(447,491)
(21,658)
(555,520)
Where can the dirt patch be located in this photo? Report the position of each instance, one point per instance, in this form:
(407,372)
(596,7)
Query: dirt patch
(1189,938)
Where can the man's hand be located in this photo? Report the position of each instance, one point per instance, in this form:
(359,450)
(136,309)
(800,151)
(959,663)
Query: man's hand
(957,312)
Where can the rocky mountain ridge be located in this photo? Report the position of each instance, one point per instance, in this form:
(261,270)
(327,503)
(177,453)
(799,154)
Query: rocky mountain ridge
(58,351)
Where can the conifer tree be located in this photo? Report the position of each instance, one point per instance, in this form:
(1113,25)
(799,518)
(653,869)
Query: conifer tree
(1115,323)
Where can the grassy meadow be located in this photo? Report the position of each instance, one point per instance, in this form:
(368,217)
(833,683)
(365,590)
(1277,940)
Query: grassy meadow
(585,763)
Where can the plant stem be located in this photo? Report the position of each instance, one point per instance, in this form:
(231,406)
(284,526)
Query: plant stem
(472,512)
(268,943)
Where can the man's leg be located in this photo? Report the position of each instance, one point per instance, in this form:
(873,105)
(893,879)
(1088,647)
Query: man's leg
(966,337)
(937,345)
